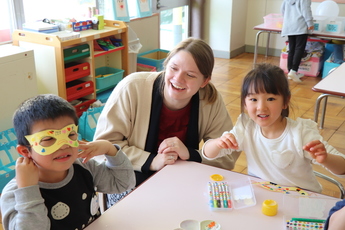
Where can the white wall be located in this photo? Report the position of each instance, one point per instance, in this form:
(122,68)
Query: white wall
(229,25)
(147,30)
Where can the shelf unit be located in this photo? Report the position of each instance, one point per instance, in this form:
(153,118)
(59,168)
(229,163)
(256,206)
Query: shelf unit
(49,55)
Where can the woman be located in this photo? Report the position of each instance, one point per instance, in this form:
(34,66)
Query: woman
(160,117)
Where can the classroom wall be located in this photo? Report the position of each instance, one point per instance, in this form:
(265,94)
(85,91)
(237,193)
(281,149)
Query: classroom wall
(229,25)
(147,30)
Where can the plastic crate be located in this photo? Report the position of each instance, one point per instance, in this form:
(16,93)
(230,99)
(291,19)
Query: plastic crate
(77,89)
(82,107)
(273,21)
(76,70)
(111,76)
(147,68)
(8,156)
(154,58)
(103,96)
(328,66)
(76,52)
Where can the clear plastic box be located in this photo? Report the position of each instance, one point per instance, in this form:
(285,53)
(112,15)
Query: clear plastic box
(319,23)
(241,195)
(273,21)
(307,207)
(335,25)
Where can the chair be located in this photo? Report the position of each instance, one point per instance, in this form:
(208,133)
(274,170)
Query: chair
(330,179)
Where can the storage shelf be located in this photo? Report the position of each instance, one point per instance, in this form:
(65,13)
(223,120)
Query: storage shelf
(100,53)
(49,55)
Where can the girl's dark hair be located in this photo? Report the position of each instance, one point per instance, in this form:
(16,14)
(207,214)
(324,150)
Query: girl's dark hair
(39,108)
(204,59)
(267,78)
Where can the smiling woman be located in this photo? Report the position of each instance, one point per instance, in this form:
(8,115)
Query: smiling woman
(159,117)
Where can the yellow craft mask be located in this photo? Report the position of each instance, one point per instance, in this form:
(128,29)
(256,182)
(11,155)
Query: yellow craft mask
(48,141)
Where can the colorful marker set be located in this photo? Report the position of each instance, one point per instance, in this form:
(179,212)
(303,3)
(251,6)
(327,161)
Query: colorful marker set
(219,195)
(305,224)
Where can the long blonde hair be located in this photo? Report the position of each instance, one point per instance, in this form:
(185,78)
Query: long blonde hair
(204,59)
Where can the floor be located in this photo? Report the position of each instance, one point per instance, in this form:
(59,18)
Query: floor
(227,77)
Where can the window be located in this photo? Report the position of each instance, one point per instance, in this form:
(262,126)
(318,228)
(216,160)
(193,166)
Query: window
(7,21)
(174,26)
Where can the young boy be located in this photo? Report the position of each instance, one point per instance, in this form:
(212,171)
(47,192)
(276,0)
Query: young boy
(56,179)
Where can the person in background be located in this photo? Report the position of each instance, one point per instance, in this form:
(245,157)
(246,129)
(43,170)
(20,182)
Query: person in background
(278,149)
(297,24)
(336,218)
(161,117)
(56,179)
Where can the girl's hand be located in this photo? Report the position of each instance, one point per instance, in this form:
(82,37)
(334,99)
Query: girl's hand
(174,145)
(317,150)
(227,141)
(95,148)
(163,159)
(26,172)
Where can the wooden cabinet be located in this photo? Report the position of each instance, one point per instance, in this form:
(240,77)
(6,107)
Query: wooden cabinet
(52,61)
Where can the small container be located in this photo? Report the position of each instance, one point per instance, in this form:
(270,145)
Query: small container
(269,207)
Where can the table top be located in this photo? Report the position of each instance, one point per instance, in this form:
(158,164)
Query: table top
(180,192)
(262,27)
(333,83)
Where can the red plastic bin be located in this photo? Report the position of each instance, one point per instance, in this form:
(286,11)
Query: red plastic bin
(77,89)
(82,107)
(76,70)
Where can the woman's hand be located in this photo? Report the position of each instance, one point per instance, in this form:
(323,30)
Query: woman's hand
(174,145)
(95,148)
(163,159)
(26,172)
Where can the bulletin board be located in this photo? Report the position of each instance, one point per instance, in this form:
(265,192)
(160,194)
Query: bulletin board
(337,1)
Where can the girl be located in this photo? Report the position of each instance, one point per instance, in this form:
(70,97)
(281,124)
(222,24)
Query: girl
(278,149)
(298,23)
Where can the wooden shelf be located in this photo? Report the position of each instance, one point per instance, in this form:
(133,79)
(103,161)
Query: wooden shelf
(49,57)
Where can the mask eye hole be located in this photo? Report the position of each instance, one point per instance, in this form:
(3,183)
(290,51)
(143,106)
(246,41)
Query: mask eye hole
(73,136)
(47,141)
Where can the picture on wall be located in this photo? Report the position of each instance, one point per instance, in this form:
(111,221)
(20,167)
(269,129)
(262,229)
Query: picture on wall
(116,10)
(144,8)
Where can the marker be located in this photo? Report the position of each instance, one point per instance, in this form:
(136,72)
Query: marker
(223,196)
(210,194)
(215,205)
(308,220)
(217,194)
(227,193)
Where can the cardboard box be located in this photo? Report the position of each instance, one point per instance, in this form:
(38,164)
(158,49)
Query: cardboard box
(309,68)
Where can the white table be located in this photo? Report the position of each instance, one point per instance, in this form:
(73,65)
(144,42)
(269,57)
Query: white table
(270,30)
(332,85)
(179,192)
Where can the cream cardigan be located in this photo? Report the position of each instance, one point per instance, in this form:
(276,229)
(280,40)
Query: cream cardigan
(126,116)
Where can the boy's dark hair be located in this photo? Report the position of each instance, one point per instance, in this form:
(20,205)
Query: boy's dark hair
(267,78)
(38,108)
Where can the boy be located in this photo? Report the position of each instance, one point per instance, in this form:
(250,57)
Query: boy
(56,179)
